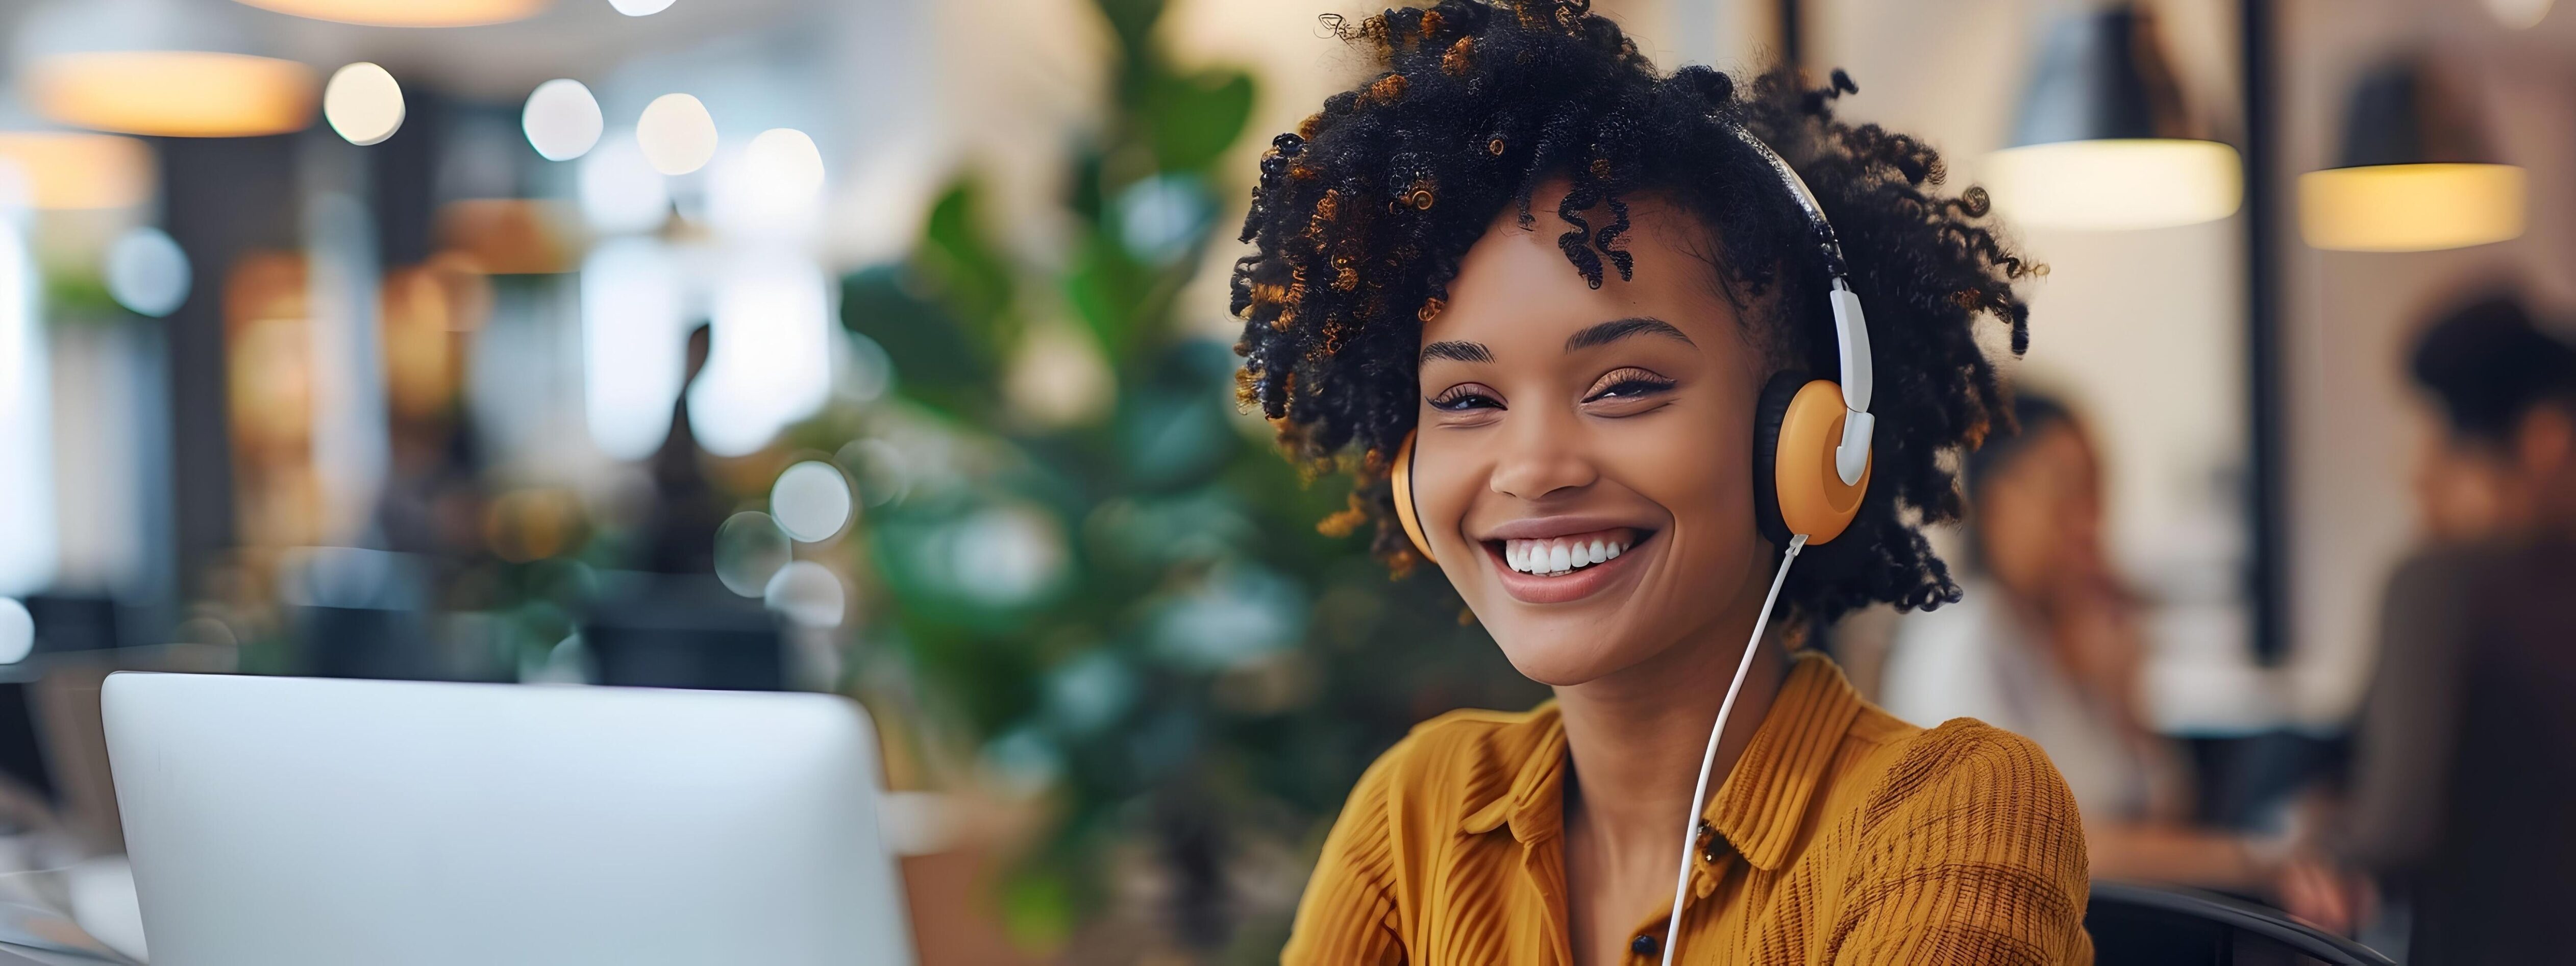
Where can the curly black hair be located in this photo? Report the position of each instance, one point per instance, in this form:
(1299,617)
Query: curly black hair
(1363,214)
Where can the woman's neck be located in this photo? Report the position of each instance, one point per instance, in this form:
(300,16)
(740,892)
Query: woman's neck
(1636,738)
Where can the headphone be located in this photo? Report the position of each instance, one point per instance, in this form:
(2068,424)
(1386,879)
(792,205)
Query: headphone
(1811,452)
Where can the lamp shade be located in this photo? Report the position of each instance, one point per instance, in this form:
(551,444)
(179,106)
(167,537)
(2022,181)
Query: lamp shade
(157,67)
(407,13)
(2413,175)
(77,169)
(2102,140)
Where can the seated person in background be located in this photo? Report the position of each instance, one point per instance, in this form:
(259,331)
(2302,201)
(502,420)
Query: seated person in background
(2465,755)
(2045,644)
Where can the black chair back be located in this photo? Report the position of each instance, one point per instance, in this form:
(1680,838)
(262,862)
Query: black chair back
(2139,925)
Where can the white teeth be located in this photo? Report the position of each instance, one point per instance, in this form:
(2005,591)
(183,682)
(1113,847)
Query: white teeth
(1556,557)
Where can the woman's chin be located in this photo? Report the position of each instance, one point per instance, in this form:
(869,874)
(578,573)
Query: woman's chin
(1559,661)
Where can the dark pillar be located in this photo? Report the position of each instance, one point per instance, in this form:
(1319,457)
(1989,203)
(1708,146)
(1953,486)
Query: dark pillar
(402,180)
(221,198)
(1793,34)
(2269,582)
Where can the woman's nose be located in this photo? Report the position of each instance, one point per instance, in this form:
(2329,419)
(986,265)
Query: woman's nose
(1541,457)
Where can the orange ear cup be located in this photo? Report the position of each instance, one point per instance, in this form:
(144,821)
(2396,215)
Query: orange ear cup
(1813,498)
(1402,482)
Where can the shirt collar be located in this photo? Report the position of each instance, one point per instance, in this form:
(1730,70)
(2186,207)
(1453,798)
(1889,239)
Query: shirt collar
(1759,808)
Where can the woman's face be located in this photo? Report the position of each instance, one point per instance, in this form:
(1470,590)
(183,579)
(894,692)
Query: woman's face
(2463,487)
(1561,424)
(2039,517)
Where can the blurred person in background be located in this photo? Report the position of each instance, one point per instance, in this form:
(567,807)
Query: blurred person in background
(2046,643)
(1584,282)
(2465,754)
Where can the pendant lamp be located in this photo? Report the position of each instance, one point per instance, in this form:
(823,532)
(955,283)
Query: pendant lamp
(2414,174)
(164,67)
(69,170)
(47,168)
(407,13)
(2102,141)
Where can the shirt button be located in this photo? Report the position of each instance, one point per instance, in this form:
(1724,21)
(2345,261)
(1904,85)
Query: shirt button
(1644,945)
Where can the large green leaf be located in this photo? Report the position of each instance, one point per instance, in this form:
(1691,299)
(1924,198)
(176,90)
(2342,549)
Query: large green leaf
(1132,23)
(1101,290)
(935,359)
(1195,117)
(966,269)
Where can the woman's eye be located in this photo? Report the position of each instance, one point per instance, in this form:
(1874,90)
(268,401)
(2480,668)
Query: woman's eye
(1632,384)
(1458,399)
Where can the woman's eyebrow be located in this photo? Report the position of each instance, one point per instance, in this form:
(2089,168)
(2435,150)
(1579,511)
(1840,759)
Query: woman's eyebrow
(1616,329)
(1458,351)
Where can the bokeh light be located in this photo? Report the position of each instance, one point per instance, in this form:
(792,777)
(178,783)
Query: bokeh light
(561,119)
(773,187)
(1090,691)
(750,549)
(1162,216)
(17,631)
(146,272)
(790,157)
(879,468)
(677,134)
(811,501)
(1240,613)
(864,367)
(1007,555)
(808,594)
(620,191)
(364,103)
(640,8)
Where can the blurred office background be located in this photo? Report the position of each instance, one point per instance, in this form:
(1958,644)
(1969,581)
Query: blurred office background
(880,347)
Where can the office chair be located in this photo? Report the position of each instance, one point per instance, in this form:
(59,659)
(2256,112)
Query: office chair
(2139,925)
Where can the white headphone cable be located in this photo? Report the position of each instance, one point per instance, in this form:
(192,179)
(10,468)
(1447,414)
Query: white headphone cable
(1707,759)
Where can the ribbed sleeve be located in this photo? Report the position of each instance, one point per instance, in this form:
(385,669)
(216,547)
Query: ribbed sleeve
(1971,853)
(1347,915)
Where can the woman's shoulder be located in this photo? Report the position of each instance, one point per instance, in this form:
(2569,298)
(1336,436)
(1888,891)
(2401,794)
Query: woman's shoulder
(1453,762)
(1964,777)
(1965,839)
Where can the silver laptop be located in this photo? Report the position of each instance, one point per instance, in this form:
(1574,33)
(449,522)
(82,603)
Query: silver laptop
(299,822)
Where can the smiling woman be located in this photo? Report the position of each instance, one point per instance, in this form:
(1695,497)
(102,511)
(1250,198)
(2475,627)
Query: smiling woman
(1559,312)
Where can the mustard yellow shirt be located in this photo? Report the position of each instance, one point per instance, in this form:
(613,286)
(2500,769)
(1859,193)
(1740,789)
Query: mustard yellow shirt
(1843,835)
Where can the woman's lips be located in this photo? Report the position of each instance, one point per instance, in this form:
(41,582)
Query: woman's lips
(1574,584)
